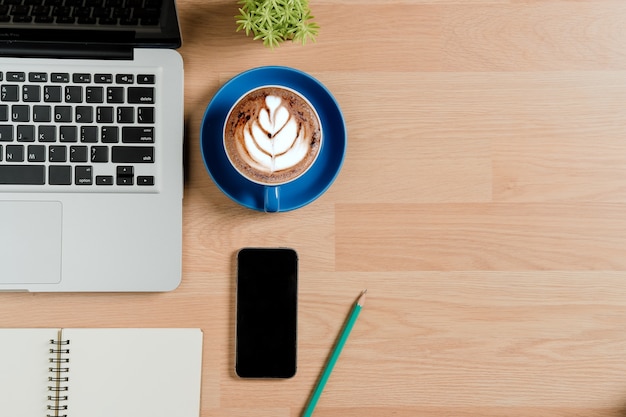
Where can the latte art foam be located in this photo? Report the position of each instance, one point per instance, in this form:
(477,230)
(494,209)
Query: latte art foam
(272,135)
(274,141)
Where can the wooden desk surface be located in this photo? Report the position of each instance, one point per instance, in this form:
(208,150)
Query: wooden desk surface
(482,203)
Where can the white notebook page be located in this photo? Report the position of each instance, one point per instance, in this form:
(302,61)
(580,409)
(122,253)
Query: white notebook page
(134,372)
(24,363)
(112,372)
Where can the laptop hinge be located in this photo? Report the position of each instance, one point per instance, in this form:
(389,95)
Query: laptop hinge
(62,50)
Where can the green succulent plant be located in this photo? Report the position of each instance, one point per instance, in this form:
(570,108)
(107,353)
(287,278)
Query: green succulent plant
(276,21)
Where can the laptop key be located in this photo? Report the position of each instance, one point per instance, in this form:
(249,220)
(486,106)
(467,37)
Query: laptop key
(57,153)
(20,113)
(60,174)
(23,174)
(60,77)
(83,175)
(6,133)
(78,154)
(145,180)
(145,79)
(16,76)
(103,78)
(104,180)
(25,133)
(141,95)
(36,153)
(52,93)
(99,154)
(133,134)
(15,153)
(9,93)
(132,154)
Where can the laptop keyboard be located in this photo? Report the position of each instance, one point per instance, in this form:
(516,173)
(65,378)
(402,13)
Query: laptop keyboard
(78,131)
(82,12)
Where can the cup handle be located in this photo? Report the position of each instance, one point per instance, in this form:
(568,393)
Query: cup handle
(271,201)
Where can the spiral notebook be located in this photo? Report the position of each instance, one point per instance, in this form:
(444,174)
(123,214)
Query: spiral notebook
(100,372)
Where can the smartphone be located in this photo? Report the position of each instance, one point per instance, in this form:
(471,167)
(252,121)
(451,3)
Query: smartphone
(267,310)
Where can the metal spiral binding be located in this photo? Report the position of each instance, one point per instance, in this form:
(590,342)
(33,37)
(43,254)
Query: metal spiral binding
(58,379)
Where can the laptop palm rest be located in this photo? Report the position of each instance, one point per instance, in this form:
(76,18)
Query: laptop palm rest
(30,242)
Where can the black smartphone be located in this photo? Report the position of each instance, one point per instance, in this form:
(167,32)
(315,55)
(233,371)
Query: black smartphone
(267,310)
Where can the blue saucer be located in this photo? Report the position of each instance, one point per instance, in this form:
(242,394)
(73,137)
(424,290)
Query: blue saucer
(309,186)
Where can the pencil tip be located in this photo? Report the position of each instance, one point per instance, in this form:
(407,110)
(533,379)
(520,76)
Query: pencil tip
(361,300)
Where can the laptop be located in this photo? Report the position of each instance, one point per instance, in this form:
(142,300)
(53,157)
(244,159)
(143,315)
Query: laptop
(91,137)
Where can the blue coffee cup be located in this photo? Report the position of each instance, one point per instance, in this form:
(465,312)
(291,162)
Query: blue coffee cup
(295,193)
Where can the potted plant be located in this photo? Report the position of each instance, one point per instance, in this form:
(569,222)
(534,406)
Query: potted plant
(276,21)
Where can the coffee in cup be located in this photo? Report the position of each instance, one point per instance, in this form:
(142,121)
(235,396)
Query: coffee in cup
(272,135)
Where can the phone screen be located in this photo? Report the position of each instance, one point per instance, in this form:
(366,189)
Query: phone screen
(267,304)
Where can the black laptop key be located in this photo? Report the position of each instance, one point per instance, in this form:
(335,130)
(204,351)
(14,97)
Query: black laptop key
(84,114)
(104,180)
(94,95)
(115,95)
(37,77)
(65,20)
(83,175)
(36,153)
(124,78)
(9,93)
(86,21)
(141,95)
(78,153)
(138,134)
(44,19)
(103,78)
(15,153)
(81,78)
(104,114)
(60,174)
(20,113)
(57,153)
(132,154)
(126,21)
(22,19)
(42,114)
(145,115)
(52,93)
(16,76)
(23,174)
(89,134)
(47,133)
(99,154)
(62,114)
(68,134)
(145,180)
(6,133)
(60,77)
(73,94)
(145,79)
(40,11)
(25,133)
(20,10)
(31,93)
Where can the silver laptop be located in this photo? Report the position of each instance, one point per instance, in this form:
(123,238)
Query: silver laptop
(91,136)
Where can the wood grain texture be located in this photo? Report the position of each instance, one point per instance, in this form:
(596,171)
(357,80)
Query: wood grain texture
(482,203)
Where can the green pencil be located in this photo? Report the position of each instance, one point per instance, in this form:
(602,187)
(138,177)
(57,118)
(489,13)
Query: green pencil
(335,355)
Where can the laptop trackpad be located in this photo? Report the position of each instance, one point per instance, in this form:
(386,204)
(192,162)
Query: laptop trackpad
(30,242)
